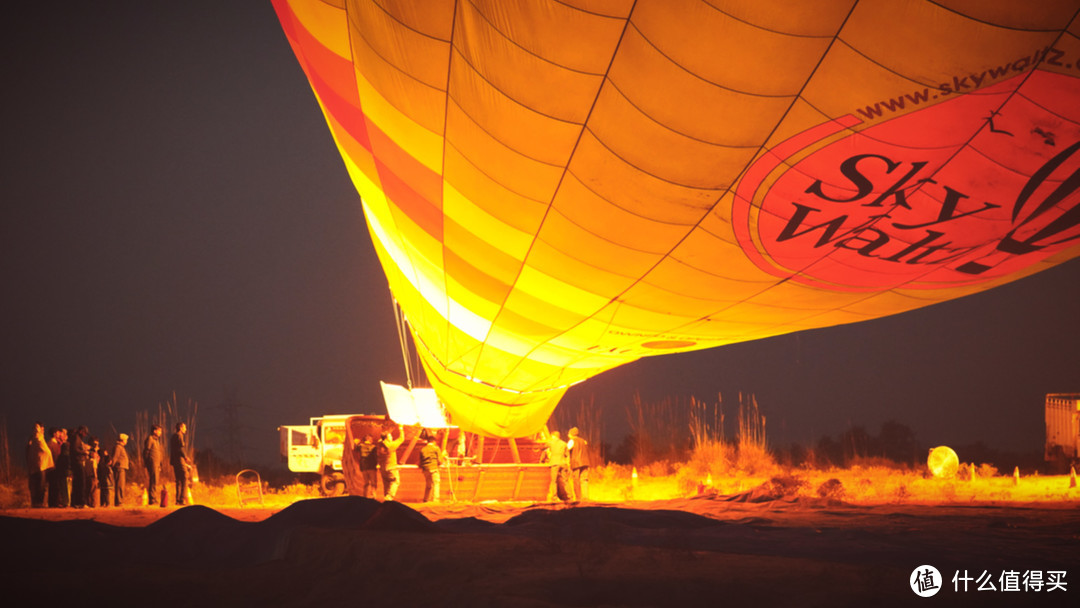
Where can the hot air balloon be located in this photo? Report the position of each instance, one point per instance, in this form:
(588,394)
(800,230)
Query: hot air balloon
(558,187)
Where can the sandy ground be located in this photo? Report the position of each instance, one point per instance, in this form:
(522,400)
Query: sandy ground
(737,550)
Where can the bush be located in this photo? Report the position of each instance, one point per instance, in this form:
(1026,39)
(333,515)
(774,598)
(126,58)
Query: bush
(659,468)
(14,495)
(711,458)
(877,462)
(785,485)
(832,489)
(754,459)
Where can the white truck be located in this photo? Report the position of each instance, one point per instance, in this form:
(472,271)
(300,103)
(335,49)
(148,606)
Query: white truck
(316,449)
(480,468)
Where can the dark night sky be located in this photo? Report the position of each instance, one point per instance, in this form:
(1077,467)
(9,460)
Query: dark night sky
(176,218)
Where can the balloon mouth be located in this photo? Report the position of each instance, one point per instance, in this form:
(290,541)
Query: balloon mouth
(668,344)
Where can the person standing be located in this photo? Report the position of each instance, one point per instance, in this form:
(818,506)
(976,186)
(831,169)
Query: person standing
(93,493)
(559,458)
(62,456)
(368,462)
(153,456)
(579,464)
(56,478)
(80,460)
(119,463)
(386,449)
(105,479)
(180,462)
(39,461)
(431,458)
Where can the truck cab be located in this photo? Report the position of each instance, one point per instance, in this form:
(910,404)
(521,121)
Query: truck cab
(316,449)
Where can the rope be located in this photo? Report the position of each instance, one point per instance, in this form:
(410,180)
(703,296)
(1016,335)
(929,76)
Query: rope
(403,338)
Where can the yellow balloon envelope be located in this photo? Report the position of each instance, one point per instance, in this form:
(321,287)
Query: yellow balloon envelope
(558,187)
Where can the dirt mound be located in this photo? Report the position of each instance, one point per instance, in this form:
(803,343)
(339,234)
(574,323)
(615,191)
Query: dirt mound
(466,525)
(197,536)
(635,518)
(339,512)
(192,517)
(33,542)
(350,513)
(396,517)
(746,551)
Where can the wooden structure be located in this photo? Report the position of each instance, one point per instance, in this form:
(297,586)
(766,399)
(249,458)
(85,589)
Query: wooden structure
(1062,430)
(489,469)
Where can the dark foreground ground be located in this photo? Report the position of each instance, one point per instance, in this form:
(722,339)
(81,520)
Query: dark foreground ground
(707,551)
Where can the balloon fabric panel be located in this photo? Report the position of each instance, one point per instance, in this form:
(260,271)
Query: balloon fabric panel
(556,188)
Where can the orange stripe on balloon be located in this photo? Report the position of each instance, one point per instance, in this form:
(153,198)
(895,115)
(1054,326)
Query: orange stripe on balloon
(359,153)
(331,76)
(419,209)
(475,281)
(426,183)
(412,187)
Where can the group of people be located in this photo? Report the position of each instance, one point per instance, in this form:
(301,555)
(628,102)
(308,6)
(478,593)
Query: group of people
(375,456)
(569,466)
(179,458)
(72,469)
(569,461)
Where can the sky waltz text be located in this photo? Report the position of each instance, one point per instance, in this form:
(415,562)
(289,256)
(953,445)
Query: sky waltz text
(867,219)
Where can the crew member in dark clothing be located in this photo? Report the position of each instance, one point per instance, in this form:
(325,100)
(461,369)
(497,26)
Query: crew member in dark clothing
(180,462)
(579,464)
(431,457)
(105,479)
(368,462)
(153,455)
(61,449)
(80,459)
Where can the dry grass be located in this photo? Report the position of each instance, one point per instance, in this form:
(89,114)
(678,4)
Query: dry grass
(11,497)
(222,493)
(225,493)
(665,480)
(678,457)
(865,485)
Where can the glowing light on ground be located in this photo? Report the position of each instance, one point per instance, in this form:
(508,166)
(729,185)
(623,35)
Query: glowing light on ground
(943,462)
